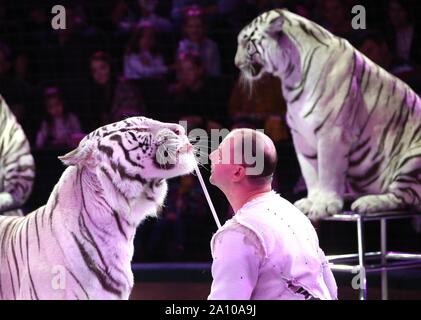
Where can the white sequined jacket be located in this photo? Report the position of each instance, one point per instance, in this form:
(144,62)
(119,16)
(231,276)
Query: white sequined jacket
(269,250)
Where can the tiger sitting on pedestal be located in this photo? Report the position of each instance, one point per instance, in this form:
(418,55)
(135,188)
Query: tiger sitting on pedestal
(355,127)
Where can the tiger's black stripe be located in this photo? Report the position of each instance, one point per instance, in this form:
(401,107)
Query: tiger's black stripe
(78,282)
(99,274)
(119,140)
(28,263)
(119,225)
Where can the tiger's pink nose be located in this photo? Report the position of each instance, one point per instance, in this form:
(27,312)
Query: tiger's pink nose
(186,148)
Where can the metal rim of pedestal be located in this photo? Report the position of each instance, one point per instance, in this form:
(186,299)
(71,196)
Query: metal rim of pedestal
(389,260)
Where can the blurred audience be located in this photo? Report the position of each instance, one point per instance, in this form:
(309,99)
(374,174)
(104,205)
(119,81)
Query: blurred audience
(142,59)
(336,15)
(148,16)
(196,97)
(209,8)
(127,102)
(262,102)
(196,42)
(100,91)
(60,128)
(404,33)
(375,46)
(129,15)
(14,88)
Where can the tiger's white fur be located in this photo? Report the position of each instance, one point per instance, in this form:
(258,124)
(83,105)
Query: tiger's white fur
(80,244)
(17,168)
(356,128)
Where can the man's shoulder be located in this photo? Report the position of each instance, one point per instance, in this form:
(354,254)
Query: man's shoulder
(230,225)
(271,203)
(249,235)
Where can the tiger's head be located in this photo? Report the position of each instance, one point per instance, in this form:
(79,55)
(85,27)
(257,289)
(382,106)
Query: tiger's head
(272,43)
(133,152)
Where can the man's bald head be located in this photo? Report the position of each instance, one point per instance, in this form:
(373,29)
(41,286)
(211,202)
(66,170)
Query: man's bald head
(256,152)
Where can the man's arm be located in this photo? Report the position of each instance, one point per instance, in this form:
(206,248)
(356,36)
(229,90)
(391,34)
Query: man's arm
(328,277)
(235,268)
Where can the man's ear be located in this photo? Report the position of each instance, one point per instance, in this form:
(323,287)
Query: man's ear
(239,173)
(84,154)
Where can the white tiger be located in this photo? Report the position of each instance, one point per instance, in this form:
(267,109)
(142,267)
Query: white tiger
(17,168)
(355,127)
(80,244)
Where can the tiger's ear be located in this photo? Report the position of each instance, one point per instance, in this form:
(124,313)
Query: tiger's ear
(82,155)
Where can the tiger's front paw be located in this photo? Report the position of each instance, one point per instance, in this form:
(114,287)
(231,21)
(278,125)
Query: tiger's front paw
(377,203)
(324,205)
(304,205)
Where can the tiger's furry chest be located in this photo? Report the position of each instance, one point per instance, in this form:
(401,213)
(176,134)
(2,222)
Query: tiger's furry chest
(302,130)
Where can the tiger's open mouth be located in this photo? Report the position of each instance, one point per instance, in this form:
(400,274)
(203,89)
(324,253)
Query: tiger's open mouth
(255,69)
(252,71)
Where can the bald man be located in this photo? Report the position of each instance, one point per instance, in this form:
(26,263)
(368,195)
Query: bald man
(269,249)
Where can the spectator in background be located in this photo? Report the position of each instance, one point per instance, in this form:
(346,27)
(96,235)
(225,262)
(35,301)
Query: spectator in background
(303,9)
(127,102)
(149,16)
(101,90)
(163,27)
(142,59)
(404,34)
(196,42)
(59,129)
(131,14)
(22,65)
(337,19)
(179,7)
(37,26)
(64,55)
(16,91)
(375,47)
(196,97)
(265,103)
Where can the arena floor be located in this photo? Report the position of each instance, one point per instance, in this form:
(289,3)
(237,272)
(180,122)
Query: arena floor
(192,281)
(199,291)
